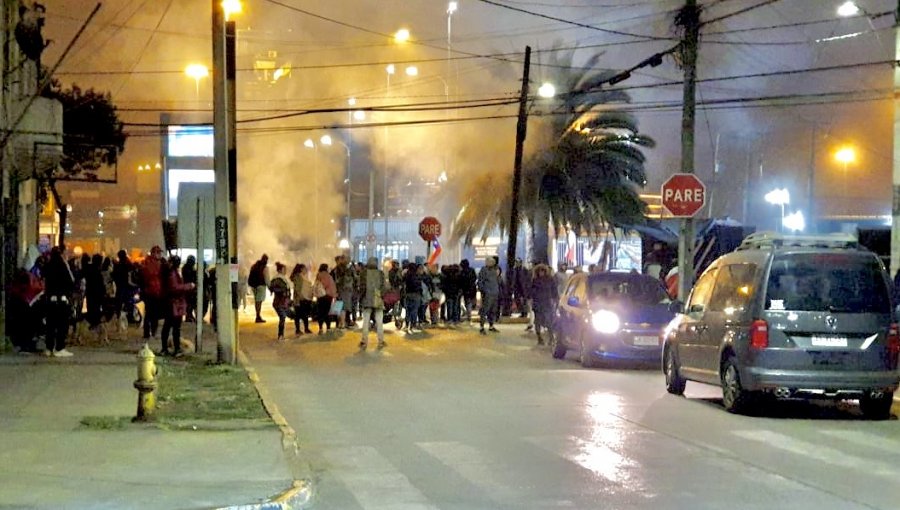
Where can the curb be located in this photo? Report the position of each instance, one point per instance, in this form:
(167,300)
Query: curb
(300,494)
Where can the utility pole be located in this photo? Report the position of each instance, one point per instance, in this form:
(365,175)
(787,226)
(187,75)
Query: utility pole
(895,208)
(231,115)
(521,131)
(224,323)
(689,20)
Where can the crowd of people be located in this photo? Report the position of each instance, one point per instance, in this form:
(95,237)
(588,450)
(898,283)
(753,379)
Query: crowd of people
(415,296)
(52,295)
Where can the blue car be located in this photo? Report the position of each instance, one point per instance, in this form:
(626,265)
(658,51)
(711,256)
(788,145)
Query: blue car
(612,316)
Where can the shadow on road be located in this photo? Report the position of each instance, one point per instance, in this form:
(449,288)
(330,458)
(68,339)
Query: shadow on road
(799,409)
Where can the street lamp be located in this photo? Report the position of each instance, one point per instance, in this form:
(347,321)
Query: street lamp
(197,72)
(547,90)
(412,71)
(848,9)
(401,36)
(845,155)
(231,7)
(309,144)
(794,222)
(779,197)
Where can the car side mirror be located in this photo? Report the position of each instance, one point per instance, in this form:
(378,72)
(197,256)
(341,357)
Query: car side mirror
(676,307)
(696,309)
(573,301)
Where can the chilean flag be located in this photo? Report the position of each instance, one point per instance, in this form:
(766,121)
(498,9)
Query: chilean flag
(436,246)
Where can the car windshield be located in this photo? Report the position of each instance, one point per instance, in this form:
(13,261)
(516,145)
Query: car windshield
(832,282)
(632,289)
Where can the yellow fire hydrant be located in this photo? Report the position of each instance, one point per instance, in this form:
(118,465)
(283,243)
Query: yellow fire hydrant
(146,384)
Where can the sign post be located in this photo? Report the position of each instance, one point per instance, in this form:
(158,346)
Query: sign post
(429,230)
(683,195)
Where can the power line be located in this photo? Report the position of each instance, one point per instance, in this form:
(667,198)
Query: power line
(575,23)
(739,12)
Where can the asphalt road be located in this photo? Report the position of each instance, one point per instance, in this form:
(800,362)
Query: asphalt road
(451,419)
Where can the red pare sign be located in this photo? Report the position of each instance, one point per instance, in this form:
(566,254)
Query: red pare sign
(683,195)
(429,228)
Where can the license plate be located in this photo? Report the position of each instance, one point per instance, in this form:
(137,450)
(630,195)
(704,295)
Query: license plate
(829,341)
(646,340)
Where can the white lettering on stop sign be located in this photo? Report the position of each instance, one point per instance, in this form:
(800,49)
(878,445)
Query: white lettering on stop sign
(683,195)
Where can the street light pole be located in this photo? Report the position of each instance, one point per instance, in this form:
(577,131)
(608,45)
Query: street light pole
(895,180)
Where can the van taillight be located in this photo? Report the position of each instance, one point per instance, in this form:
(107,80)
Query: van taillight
(893,340)
(759,334)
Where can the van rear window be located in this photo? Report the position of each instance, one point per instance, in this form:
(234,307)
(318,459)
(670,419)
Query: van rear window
(838,283)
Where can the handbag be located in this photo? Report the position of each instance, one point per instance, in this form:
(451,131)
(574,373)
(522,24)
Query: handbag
(319,289)
(337,307)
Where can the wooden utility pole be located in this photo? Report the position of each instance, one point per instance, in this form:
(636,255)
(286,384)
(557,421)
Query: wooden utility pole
(689,21)
(521,131)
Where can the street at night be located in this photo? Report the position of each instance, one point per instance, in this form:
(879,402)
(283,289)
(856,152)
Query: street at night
(451,419)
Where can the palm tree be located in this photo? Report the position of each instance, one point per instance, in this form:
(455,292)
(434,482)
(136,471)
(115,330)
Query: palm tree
(586,176)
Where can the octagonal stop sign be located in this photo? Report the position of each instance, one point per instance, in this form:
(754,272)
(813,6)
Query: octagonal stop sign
(683,195)
(429,228)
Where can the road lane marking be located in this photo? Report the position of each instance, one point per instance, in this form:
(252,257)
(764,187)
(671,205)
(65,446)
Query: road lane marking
(815,451)
(488,353)
(473,466)
(865,439)
(374,481)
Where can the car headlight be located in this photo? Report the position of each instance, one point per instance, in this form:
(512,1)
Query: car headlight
(605,321)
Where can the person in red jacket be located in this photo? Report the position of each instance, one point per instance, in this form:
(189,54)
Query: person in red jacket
(175,293)
(152,291)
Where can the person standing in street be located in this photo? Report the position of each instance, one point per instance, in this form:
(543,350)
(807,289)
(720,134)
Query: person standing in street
(123,271)
(468,288)
(303,298)
(189,275)
(372,287)
(58,287)
(412,286)
(258,280)
(281,300)
(344,276)
(489,285)
(325,291)
(545,298)
(152,291)
(176,292)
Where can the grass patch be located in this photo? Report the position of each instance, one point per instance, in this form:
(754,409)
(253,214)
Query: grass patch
(105,422)
(196,389)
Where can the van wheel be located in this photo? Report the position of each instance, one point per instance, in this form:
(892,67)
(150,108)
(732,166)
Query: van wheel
(734,397)
(674,382)
(877,408)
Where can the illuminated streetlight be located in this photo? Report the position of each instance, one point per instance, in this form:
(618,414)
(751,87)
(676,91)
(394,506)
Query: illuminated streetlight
(352,101)
(359,115)
(309,143)
(845,155)
(344,244)
(197,72)
(794,222)
(412,71)
(231,7)
(779,197)
(847,9)
(402,36)
(547,90)
(326,140)
(390,69)
(452,7)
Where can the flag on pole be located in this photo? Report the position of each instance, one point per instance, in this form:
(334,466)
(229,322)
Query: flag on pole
(436,247)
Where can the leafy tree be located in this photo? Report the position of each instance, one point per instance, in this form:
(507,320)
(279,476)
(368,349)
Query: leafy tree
(586,175)
(93,138)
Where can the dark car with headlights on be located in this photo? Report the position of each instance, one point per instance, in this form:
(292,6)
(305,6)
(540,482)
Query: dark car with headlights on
(612,316)
(789,317)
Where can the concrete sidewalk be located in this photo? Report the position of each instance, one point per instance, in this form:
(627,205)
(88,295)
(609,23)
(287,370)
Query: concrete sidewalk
(49,460)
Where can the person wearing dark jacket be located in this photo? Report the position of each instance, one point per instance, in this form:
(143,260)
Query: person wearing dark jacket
(59,284)
(151,273)
(175,292)
(189,275)
(94,291)
(452,292)
(545,298)
(123,271)
(468,287)
(412,286)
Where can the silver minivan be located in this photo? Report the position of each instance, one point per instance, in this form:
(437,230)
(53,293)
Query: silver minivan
(789,317)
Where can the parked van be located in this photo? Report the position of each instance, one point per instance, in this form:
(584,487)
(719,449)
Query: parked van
(789,317)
